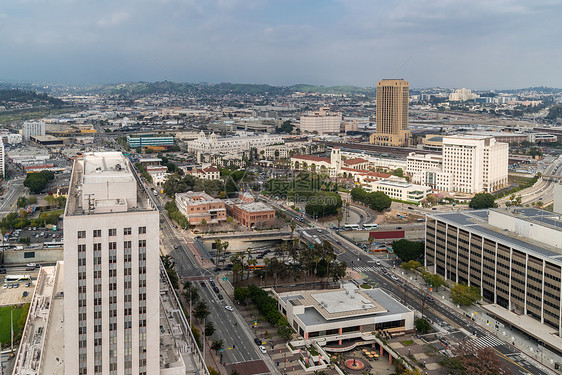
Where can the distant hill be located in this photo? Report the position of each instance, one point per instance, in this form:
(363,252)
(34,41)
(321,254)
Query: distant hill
(221,89)
(10,98)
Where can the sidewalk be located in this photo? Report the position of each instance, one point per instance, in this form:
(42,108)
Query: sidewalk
(520,341)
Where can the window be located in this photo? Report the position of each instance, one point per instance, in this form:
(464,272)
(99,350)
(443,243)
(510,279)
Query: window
(97,232)
(81,248)
(81,234)
(126,231)
(142,230)
(112,232)
(113,246)
(97,247)
(142,243)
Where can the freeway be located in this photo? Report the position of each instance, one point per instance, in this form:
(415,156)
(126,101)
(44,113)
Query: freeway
(452,325)
(13,189)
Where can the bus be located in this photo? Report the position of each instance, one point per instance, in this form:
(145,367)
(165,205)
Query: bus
(370,226)
(256,267)
(53,244)
(14,278)
(352,227)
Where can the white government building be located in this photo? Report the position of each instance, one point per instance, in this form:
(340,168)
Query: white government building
(468,164)
(322,121)
(239,143)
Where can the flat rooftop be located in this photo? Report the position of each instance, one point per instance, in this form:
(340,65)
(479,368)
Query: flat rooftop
(255,207)
(195,198)
(477,223)
(104,182)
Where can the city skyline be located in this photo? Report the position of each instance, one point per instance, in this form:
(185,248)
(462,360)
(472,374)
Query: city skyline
(478,45)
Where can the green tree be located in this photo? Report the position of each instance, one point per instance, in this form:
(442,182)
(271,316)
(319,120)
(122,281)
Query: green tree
(422,325)
(482,200)
(209,329)
(464,295)
(242,295)
(398,172)
(408,250)
(201,310)
(411,265)
(217,345)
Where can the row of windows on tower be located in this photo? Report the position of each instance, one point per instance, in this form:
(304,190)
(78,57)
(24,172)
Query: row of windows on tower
(111,232)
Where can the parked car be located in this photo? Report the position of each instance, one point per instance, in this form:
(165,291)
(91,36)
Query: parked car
(202,283)
(229,308)
(263,350)
(25,293)
(257,341)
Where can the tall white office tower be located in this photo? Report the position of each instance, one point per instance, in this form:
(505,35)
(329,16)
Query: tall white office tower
(111,278)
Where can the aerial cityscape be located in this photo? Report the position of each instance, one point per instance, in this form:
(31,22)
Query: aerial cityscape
(378,192)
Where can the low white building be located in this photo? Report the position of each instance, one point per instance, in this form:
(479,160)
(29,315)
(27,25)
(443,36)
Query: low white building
(209,172)
(348,313)
(240,143)
(398,188)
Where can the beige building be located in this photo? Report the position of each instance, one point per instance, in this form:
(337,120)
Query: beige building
(513,256)
(239,143)
(111,278)
(209,172)
(392,113)
(476,163)
(199,206)
(322,121)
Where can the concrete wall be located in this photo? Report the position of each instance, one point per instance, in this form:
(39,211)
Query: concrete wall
(33,256)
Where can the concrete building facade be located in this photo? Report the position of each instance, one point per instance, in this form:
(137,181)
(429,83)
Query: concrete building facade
(199,206)
(476,163)
(398,188)
(215,144)
(322,121)
(392,113)
(348,313)
(513,256)
(32,128)
(111,280)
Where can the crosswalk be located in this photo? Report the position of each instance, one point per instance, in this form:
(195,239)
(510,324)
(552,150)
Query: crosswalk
(487,341)
(368,269)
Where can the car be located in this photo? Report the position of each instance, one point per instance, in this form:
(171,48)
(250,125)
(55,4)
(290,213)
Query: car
(434,208)
(263,350)
(5,286)
(16,285)
(398,227)
(394,277)
(229,308)
(25,293)
(10,286)
(429,298)
(202,283)
(2,270)
(378,262)
(220,296)
(211,279)
(27,284)
(212,283)
(257,341)
(215,289)
(410,208)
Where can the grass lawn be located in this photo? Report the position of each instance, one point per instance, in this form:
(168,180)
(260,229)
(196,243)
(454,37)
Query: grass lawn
(5,322)
(520,180)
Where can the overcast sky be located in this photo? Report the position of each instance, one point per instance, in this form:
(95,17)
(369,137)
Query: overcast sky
(448,43)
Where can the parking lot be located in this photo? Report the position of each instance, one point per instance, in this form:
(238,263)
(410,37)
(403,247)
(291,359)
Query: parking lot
(36,235)
(14,295)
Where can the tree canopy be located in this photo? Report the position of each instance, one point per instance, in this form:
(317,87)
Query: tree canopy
(482,200)
(376,200)
(464,295)
(36,182)
(408,250)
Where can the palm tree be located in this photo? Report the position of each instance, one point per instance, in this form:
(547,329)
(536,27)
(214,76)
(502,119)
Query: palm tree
(251,262)
(317,259)
(328,260)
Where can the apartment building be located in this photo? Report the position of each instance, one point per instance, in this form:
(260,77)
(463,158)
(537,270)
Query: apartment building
(32,128)
(322,121)
(514,256)
(149,141)
(392,113)
(236,144)
(199,206)
(111,278)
